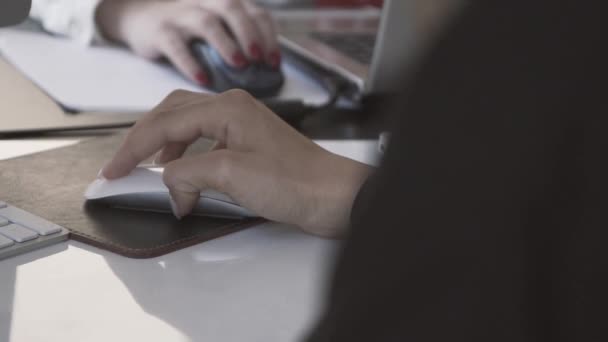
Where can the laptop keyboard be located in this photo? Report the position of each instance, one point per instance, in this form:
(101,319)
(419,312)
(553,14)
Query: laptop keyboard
(358,46)
(21,231)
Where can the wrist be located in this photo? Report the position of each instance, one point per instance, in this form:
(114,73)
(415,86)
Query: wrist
(334,196)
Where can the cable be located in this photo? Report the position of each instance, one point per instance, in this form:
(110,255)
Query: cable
(294,111)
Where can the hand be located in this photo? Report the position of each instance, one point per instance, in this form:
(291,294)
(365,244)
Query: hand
(260,161)
(160,28)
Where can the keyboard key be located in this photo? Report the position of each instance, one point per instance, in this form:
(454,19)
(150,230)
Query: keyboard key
(16,239)
(18,233)
(33,222)
(5,242)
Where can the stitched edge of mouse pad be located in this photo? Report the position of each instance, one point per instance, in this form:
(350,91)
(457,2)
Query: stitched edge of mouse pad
(51,185)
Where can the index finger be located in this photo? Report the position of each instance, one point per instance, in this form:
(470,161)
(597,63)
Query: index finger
(210,117)
(242,26)
(266,27)
(173,45)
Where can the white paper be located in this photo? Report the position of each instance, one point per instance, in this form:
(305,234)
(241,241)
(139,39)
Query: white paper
(364,151)
(17,148)
(111,79)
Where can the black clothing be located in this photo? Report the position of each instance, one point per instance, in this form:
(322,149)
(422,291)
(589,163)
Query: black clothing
(488,219)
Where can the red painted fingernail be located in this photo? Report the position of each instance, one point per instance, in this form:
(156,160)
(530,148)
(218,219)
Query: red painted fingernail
(255,51)
(202,78)
(239,60)
(275,59)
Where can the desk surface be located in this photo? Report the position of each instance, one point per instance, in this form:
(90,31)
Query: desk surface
(262,284)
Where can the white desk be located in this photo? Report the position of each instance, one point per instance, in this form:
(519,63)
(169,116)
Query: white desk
(263,284)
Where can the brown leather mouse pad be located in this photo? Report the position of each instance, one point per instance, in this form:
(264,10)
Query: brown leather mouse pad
(51,185)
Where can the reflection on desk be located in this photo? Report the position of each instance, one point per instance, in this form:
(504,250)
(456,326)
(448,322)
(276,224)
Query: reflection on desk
(261,284)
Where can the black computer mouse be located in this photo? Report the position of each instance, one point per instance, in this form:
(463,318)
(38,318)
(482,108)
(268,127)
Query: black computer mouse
(259,79)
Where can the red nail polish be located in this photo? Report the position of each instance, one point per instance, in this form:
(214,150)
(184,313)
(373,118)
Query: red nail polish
(202,78)
(255,51)
(239,60)
(275,59)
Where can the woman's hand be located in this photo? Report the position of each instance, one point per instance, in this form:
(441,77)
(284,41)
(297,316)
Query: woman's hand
(260,161)
(240,31)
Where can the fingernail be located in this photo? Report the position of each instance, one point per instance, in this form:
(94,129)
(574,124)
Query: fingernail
(174,208)
(239,60)
(100,175)
(202,78)
(255,51)
(157,161)
(275,59)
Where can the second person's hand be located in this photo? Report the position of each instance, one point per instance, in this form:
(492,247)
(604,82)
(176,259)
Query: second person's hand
(260,161)
(241,31)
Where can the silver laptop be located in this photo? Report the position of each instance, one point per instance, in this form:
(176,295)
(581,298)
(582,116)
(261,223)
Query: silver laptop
(369,60)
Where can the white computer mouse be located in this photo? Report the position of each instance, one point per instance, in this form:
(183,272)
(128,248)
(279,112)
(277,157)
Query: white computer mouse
(143,189)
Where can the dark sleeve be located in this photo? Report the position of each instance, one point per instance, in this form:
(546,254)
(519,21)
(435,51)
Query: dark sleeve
(487,219)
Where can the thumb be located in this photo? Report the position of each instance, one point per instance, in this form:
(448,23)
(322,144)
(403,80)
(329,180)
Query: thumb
(188,176)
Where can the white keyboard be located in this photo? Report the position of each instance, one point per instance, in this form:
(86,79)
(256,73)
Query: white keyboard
(21,231)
